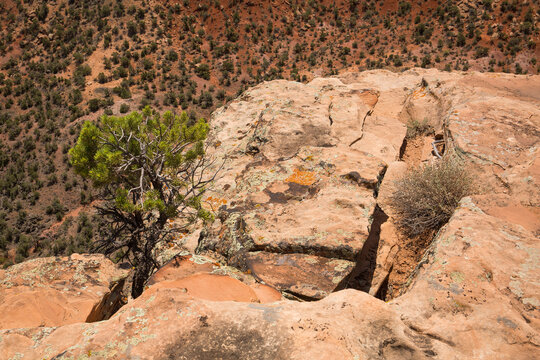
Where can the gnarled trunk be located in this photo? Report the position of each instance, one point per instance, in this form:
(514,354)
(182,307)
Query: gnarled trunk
(143,270)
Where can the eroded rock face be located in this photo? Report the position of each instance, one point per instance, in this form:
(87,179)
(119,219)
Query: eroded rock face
(295,272)
(302,166)
(301,210)
(477,289)
(489,120)
(57,291)
(166,323)
(204,278)
(303,163)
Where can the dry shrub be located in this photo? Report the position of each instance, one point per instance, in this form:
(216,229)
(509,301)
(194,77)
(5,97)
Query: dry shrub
(426,197)
(418,127)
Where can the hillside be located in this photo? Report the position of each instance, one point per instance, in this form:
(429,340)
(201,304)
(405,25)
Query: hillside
(64,62)
(306,258)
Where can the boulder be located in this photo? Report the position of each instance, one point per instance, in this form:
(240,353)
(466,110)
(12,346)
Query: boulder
(56,291)
(210,287)
(476,290)
(186,271)
(494,122)
(301,167)
(291,272)
(182,266)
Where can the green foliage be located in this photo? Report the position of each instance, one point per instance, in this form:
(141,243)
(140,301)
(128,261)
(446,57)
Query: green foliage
(461,40)
(98,152)
(131,29)
(172,56)
(124,108)
(203,71)
(480,52)
(102,79)
(94,104)
(422,33)
(150,168)
(404,8)
(42,12)
(57,209)
(206,100)
(122,91)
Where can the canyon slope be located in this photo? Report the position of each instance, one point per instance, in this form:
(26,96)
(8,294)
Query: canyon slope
(304,259)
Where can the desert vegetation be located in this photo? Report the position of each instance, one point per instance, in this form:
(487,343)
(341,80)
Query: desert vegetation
(417,127)
(426,197)
(150,170)
(65,62)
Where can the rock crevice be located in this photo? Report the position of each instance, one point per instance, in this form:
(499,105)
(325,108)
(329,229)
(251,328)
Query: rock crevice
(473,294)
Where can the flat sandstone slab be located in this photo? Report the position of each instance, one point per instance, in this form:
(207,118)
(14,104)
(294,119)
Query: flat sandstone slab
(304,275)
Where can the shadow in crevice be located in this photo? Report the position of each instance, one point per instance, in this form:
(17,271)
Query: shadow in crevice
(110,303)
(382,292)
(402,148)
(361,276)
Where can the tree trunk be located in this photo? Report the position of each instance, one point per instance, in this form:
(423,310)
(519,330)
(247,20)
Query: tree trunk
(142,272)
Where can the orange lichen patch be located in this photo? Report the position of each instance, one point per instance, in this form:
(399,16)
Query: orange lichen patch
(419,93)
(454,115)
(302,177)
(174,238)
(214,203)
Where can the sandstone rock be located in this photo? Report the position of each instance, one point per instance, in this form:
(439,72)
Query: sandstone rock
(265,293)
(57,291)
(219,283)
(511,210)
(300,208)
(210,287)
(303,163)
(490,120)
(396,170)
(292,272)
(387,250)
(182,266)
(168,324)
(476,290)
(493,121)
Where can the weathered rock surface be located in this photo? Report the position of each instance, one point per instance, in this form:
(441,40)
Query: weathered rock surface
(301,210)
(182,266)
(57,291)
(492,121)
(210,287)
(477,289)
(168,324)
(303,163)
(293,272)
(202,277)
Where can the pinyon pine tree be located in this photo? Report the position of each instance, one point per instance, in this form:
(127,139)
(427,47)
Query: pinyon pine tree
(149,169)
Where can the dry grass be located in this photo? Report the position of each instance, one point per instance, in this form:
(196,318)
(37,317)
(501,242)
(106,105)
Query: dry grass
(425,199)
(418,127)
